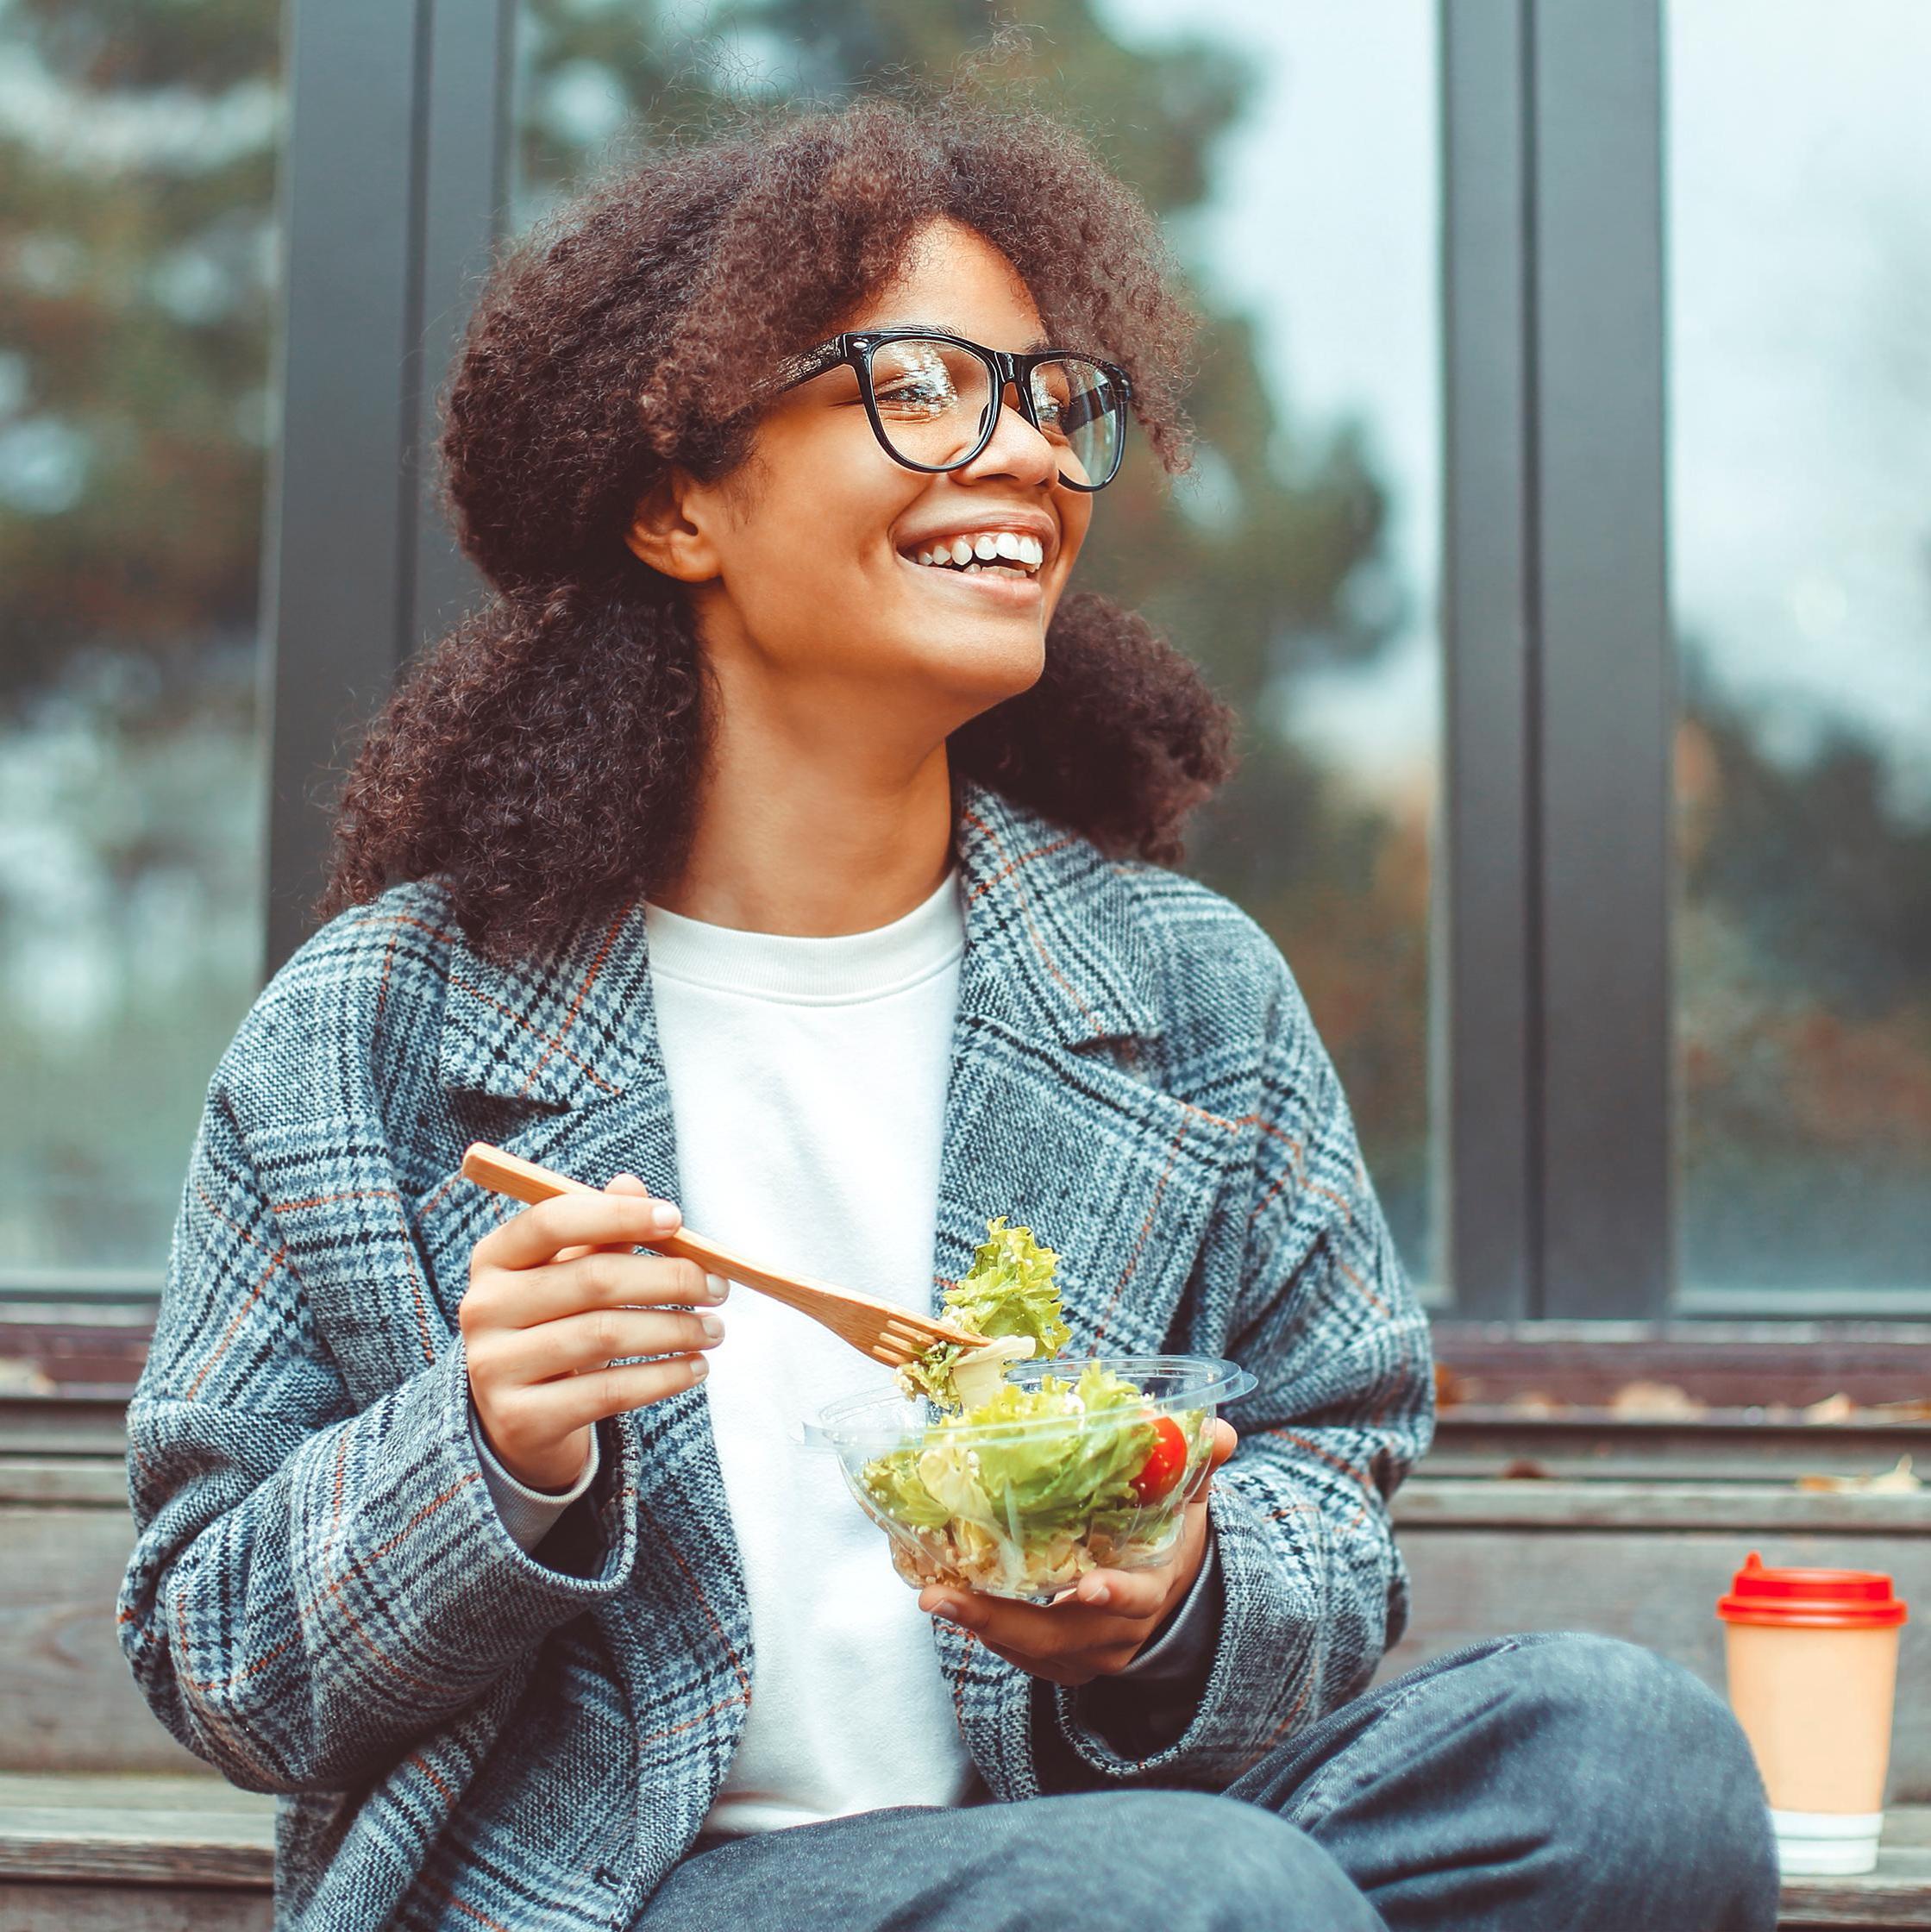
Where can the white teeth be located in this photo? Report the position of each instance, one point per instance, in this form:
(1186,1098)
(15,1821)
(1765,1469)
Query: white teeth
(994,548)
(972,570)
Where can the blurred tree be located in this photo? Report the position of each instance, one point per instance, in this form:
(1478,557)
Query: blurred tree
(137,159)
(1805,951)
(138,146)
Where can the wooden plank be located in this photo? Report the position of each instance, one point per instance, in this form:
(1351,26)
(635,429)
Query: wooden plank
(70,1702)
(1704,1451)
(1728,1365)
(1658,1591)
(1426,1503)
(156,1849)
(40,1482)
(29,1907)
(62,1425)
(1897,1895)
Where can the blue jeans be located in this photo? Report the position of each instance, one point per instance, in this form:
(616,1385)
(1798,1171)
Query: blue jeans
(1553,1783)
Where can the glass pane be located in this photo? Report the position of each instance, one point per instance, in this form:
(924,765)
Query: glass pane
(1800,337)
(1299,564)
(137,276)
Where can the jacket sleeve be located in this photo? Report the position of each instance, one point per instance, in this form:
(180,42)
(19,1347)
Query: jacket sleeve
(1313,1590)
(313,1588)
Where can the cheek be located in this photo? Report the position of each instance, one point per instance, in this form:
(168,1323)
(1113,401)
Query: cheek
(1075,518)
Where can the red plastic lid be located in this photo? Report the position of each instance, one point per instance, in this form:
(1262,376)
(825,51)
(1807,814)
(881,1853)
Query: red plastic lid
(1811,1599)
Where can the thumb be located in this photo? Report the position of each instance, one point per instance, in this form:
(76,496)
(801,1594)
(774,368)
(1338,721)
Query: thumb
(1227,1440)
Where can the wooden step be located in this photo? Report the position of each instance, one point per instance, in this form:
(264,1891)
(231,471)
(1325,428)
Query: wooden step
(1898,1894)
(109,1854)
(84,1852)
(94,1854)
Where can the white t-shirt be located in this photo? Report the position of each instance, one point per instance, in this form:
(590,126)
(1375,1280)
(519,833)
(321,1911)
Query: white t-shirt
(807,1081)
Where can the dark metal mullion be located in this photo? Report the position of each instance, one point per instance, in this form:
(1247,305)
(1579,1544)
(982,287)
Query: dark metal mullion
(340,520)
(1485,894)
(1604,669)
(465,193)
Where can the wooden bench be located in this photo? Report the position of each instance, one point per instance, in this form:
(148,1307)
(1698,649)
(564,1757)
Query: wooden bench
(95,1853)
(107,1825)
(98,1853)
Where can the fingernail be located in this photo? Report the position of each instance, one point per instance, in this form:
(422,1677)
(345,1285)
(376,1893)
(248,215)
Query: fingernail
(718,1286)
(946,1607)
(663,1214)
(712,1327)
(1098,1593)
(699,1368)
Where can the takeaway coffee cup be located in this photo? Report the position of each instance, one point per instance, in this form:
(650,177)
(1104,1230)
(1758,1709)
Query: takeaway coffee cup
(1812,1661)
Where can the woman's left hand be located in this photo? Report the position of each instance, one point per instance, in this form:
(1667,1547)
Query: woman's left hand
(1097,1628)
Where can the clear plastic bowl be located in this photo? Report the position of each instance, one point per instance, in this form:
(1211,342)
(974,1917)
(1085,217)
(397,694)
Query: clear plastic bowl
(997,1541)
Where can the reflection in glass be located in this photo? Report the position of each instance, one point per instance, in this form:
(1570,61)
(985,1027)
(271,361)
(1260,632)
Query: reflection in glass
(137,262)
(1800,338)
(1298,563)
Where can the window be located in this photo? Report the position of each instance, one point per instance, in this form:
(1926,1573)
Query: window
(138,256)
(1481,281)
(1800,346)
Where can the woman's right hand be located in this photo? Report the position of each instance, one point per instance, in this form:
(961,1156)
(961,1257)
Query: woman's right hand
(555,1298)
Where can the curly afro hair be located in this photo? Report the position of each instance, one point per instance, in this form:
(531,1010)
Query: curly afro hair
(541,760)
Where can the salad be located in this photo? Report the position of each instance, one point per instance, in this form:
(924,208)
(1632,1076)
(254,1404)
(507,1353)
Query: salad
(1020,1488)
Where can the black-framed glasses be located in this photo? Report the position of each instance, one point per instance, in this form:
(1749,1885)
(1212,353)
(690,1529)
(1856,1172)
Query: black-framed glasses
(934,399)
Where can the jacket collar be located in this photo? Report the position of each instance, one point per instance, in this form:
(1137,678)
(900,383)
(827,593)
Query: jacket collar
(1055,948)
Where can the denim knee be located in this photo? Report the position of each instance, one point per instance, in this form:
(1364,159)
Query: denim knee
(1187,1860)
(1662,1795)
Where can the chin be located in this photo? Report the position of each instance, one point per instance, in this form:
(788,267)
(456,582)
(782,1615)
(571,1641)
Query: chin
(993,670)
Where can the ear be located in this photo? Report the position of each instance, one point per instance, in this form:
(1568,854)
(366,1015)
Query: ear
(668,530)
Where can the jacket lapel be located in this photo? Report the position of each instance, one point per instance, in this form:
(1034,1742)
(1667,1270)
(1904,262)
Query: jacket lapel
(1057,1118)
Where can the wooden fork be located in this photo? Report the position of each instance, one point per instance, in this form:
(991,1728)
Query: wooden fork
(882,1330)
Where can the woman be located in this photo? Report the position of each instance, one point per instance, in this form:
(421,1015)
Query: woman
(784,844)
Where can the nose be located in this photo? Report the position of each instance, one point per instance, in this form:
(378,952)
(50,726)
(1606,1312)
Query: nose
(1016,449)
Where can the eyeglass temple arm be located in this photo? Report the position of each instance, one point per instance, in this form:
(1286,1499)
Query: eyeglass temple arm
(812,362)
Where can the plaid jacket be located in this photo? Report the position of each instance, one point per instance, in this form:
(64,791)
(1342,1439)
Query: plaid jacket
(322,1601)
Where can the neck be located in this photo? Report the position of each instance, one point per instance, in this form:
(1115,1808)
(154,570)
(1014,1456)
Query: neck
(802,831)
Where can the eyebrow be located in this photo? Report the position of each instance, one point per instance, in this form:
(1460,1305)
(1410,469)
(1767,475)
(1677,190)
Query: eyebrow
(1032,348)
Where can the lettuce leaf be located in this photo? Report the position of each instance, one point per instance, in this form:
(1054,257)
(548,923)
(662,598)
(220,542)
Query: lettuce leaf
(1008,1290)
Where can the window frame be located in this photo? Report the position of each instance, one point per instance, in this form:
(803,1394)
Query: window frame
(1558,666)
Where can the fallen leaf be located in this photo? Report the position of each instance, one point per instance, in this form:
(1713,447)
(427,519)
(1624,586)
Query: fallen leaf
(1532,1401)
(1832,1408)
(23,1378)
(1655,1402)
(1893,1482)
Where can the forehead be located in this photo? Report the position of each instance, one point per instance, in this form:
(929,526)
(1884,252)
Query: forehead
(953,280)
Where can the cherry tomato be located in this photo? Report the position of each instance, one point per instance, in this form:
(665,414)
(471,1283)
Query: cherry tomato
(1164,1462)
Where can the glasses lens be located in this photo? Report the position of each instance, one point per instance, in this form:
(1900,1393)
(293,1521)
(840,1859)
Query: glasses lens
(1081,409)
(935,399)
(932,397)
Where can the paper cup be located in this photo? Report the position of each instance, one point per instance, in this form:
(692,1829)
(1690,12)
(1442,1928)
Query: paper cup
(1813,1674)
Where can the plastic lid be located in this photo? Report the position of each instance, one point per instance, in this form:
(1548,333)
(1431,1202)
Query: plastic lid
(1811,1599)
